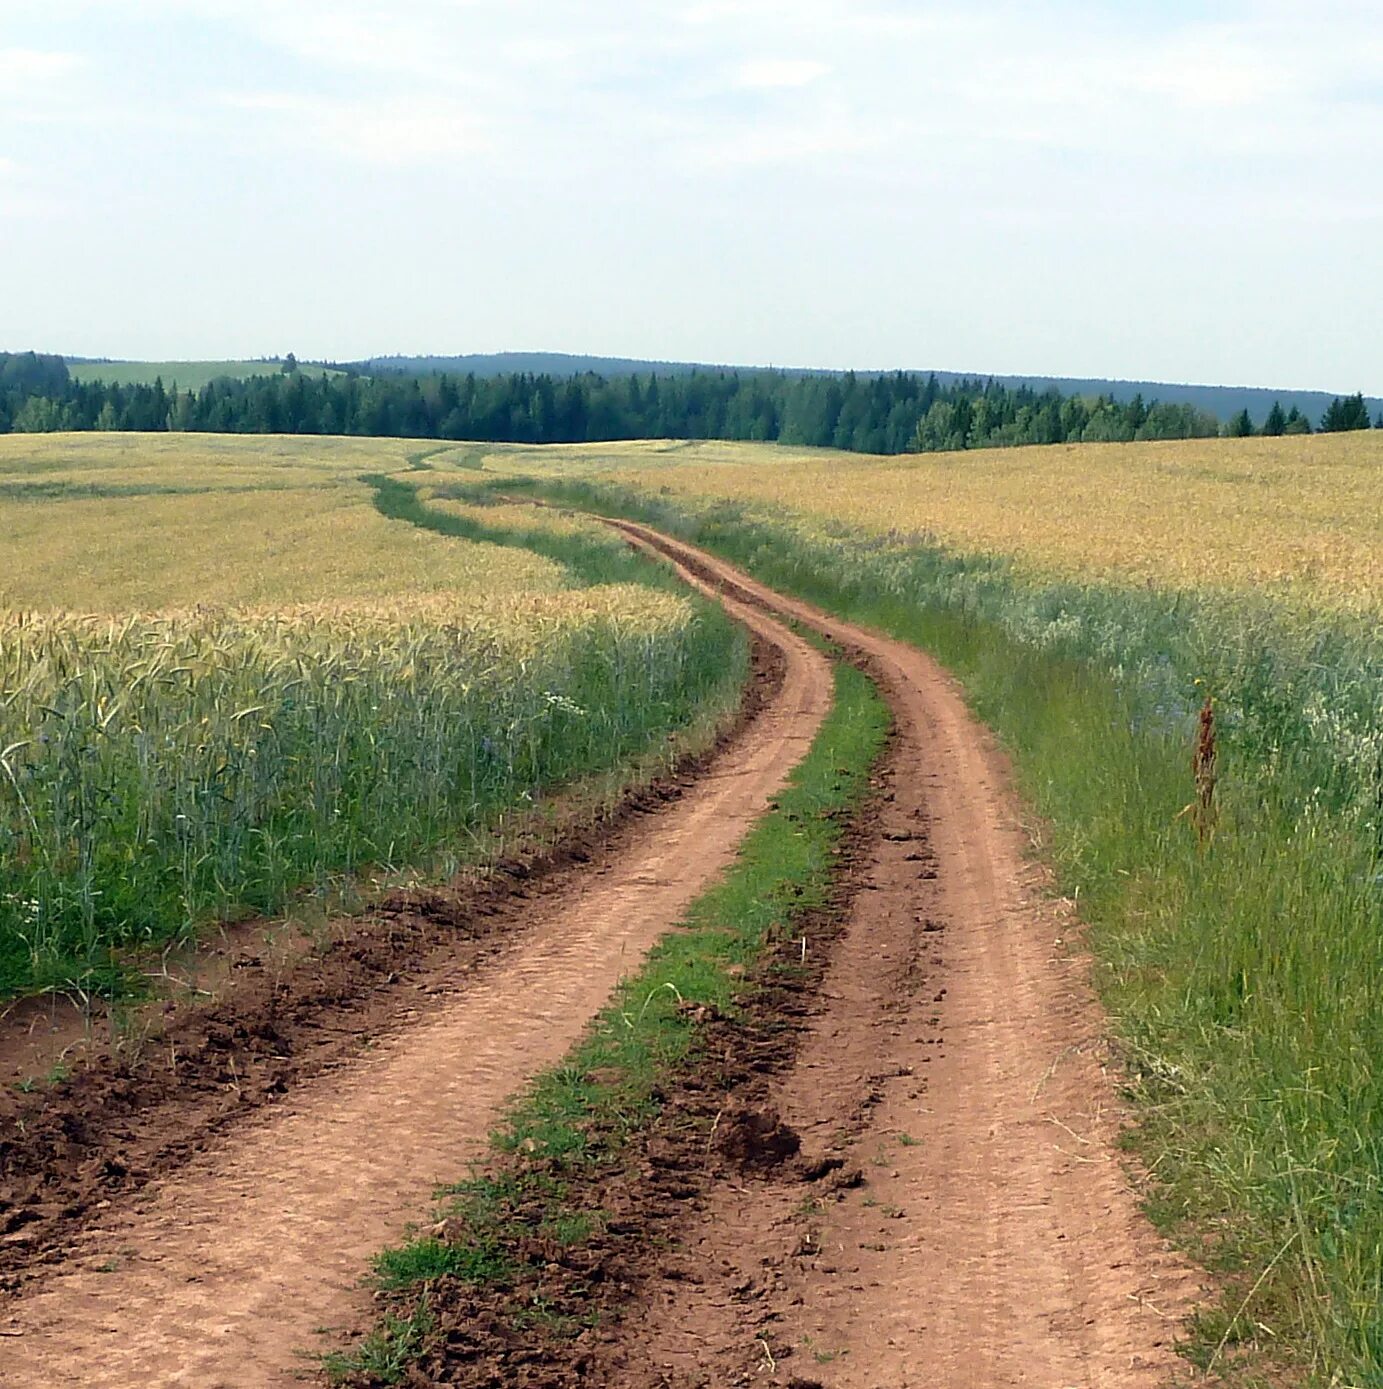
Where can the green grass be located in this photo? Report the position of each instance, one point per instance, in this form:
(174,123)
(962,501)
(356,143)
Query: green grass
(1244,976)
(385,1354)
(579,1116)
(187,376)
(593,558)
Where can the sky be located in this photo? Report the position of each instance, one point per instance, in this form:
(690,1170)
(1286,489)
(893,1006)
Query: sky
(1147,189)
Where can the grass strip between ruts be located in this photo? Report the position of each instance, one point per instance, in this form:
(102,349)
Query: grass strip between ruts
(579,1115)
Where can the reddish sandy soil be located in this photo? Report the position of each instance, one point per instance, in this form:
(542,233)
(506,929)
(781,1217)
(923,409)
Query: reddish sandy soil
(223,1273)
(959,1216)
(989,1234)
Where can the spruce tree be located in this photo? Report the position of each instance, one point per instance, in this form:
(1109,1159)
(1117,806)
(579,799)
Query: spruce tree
(1349,413)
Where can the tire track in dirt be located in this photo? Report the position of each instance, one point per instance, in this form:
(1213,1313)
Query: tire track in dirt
(221,1275)
(985,1233)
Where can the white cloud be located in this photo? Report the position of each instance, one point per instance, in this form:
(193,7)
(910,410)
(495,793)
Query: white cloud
(810,143)
(829,18)
(392,131)
(356,39)
(1217,66)
(768,73)
(26,67)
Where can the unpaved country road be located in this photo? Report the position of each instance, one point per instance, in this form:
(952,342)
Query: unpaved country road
(222,1275)
(955,1065)
(954,1062)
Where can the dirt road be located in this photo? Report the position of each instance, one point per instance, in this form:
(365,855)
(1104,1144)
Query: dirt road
(991,1237)
(978,1231)
(225,1274)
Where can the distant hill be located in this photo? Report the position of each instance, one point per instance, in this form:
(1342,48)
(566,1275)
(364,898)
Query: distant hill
(189,376)
(537,364)
(1223,402)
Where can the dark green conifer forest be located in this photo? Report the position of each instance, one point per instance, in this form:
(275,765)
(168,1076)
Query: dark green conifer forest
(889,413)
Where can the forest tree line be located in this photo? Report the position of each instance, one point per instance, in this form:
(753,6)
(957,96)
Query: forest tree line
(897,413)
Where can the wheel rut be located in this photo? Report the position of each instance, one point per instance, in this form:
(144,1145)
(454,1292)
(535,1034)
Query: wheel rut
(984,1231)
(225,1273)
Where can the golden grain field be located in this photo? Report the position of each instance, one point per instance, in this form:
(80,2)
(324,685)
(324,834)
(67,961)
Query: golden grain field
(225,672)
(1300,517)
(123,523)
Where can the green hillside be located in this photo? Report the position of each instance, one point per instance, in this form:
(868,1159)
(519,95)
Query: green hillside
(190,376)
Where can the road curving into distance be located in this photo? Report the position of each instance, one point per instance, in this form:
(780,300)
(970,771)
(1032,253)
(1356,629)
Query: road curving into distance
(993,1237)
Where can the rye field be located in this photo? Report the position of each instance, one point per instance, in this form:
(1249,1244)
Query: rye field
(228,678)
(1300,517)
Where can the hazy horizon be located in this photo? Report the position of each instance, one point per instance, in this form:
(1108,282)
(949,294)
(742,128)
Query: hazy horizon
(789,367)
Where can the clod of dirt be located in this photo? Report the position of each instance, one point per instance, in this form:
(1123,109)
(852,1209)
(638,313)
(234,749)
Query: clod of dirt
(756,1139)
(822,1167)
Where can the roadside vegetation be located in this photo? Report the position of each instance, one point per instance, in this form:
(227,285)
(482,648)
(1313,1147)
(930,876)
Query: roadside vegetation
(169,762)
(1235,909)
(530,1202)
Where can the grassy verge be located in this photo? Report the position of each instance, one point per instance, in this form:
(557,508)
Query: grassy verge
(532,1200)
(592,557)
(1243,973)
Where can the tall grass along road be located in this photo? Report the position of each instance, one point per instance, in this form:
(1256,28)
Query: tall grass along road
(235,745)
